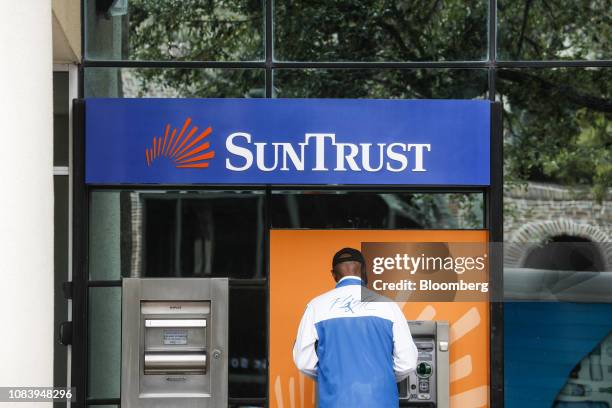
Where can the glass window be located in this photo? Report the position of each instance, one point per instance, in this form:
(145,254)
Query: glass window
(364,30)
(61,121)
(174,83)
(554,30)
(557,145)
(61,194)
(557,354)
(185,30)
(210,234)
(188,234)
(104,335)
(376,210)
(374,83)
(105,231)
(558,257)
(248,344)
(60,260)
(557,178)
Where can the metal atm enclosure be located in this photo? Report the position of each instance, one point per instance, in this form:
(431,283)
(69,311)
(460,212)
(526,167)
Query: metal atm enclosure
(428,385)
(174,342)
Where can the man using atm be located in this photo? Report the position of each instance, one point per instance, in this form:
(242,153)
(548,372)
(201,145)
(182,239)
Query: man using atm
(356,350)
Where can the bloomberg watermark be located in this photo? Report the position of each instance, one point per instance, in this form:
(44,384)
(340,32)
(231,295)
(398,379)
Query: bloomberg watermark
(428,271)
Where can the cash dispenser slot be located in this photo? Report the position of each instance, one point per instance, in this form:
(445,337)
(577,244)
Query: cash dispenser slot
(175,346)
(175,363)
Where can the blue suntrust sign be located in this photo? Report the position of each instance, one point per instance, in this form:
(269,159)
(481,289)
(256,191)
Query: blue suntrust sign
(287,141)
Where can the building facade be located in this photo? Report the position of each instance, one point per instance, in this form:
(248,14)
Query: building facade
(547,64)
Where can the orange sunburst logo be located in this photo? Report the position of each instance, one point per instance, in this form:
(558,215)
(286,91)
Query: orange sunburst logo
(183,150)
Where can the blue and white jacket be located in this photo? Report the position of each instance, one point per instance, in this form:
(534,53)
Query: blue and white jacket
(356,350)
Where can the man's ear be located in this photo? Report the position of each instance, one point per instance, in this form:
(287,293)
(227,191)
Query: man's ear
(334,275)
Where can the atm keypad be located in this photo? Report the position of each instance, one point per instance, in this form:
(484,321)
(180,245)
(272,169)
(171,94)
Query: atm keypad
(420,385)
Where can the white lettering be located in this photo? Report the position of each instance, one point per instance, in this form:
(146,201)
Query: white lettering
(350,158)
(393,157)
(289,151)
(238,151)
(377,265)
(418,155)
(320,148)
(365,156)
(398,157)
(261,163)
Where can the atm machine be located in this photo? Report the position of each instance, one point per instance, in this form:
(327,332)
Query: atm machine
(428,385)
(174,343)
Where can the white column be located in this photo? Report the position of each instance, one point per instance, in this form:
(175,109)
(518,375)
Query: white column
(26,195)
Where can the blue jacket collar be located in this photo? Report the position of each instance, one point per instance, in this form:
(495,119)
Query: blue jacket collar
(348,280)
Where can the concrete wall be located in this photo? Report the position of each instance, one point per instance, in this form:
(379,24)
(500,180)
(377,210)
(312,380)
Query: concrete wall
(66,31)
(26,197)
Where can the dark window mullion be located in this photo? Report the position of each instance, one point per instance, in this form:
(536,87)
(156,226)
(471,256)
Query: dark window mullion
(269,44)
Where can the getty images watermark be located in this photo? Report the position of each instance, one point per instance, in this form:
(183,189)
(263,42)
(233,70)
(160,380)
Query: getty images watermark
(37,394)
(428,271)
(544,270)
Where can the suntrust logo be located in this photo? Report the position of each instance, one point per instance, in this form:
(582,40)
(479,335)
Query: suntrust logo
(184,150)
(318,152)
(310,155)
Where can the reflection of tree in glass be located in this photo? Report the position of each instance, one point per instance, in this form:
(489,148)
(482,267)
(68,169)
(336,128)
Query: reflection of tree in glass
(193,83)
(376,83)
(195,30)
(380,30)
(557,126)
(555,29)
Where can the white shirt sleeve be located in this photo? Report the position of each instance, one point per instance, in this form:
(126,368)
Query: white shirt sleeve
(304,353)
(405,353)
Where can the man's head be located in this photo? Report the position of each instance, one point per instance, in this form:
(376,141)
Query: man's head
(348,262)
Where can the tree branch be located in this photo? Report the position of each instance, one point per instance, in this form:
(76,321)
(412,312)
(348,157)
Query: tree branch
(523,27)
(594,103)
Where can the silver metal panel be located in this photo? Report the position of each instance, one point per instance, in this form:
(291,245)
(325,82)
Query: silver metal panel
(165,308)
(183,346)
(443,366)
(430,382)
